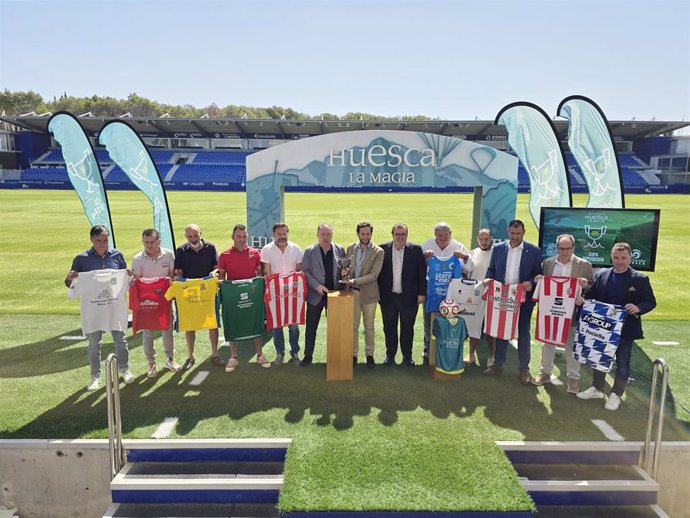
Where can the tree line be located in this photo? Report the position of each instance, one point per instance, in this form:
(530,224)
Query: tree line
(19,103)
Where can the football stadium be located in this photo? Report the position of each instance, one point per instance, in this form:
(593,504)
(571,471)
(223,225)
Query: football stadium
(334,439)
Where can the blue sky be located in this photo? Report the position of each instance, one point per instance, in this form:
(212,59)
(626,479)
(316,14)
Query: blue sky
(453,60)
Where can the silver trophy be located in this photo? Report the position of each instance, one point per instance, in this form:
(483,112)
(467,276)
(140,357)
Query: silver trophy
(344,262)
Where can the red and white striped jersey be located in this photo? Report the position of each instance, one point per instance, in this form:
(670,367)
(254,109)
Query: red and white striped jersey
(502,309)
(556,297)
(285,296)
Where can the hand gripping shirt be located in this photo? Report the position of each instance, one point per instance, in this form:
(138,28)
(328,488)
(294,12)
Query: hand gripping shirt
(242,302)
(556,297)
(468,295)
(196,303)
(150,308)
(502,309)
(440,271)
(449,345)
(103,299)
(598,333)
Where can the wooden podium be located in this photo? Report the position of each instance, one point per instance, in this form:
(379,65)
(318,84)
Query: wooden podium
(340,339)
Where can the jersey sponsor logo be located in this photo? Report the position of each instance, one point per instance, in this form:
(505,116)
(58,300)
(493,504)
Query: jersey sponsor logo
(599,322)
(105,294)
(113,281)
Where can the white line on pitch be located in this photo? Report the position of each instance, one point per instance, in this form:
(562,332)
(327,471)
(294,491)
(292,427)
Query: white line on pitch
(72,337)
(199,378)
(607,430)
(664,343)
(165,428)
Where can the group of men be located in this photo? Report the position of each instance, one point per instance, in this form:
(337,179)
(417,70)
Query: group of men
(392,275)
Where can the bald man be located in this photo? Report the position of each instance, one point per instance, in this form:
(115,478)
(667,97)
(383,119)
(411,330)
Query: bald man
(194,260)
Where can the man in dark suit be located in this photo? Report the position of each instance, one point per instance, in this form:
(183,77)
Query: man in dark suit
(402,288)
(320,265)
(625,287)
(516,262)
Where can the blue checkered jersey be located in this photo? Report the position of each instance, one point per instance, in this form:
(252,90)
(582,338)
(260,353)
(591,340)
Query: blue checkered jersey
(598,333)
(449,345)
(439,274)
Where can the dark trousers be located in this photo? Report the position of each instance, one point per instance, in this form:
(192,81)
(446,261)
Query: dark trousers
(391,313)
(524,340)
(311,326)
(622,370)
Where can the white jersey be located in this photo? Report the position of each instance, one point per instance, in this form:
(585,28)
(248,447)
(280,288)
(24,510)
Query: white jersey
(103,295)
(468,295)
(284,298)
(556,297)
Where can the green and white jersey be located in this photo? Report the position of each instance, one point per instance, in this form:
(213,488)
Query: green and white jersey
(242,304)
(449,345)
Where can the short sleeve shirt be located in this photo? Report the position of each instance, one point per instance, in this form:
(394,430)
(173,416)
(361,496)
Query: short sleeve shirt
(149,267)
(195,265)
(240,265)
(281,262)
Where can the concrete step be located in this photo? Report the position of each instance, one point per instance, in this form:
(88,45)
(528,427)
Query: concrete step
(191,450)
(198,482)
(555,452)
(191,511)
(623,511)
(586,485)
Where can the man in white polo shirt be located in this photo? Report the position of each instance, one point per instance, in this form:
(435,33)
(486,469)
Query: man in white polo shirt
(283,256)
(155,261)
(442,245)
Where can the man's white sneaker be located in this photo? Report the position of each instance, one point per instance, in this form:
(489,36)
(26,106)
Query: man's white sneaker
(172,365)
(590,393)
(95,383)
(613,402)
(127,377)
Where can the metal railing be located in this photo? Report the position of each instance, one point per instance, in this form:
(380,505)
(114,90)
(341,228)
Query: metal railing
(650,458)
(112,391)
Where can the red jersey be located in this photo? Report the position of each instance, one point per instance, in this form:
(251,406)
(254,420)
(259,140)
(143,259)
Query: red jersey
(556,297)
(242,265)
(502,309)
(285,297)
(150,308)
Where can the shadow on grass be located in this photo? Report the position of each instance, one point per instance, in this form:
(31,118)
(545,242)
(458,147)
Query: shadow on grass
(282,401)
(52,355)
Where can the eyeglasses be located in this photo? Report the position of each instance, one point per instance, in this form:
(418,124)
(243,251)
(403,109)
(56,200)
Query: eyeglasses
(564,248)
(400,235)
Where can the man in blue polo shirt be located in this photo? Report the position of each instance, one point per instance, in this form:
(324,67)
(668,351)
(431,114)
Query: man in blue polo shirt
(197,259)
(99,257)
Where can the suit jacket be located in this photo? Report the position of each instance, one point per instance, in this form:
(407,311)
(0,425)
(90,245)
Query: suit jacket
(413,277)
(580,268)
(368,276)
(530,263)
(312,266)
(638,291)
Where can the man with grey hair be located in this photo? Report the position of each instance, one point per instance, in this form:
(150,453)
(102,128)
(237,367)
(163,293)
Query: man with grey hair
(320,265)
(443,246)
(154,261)
(564,264)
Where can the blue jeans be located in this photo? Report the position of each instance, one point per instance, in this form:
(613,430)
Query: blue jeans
(279,340)
(524,340)
(623,354)
(94,351)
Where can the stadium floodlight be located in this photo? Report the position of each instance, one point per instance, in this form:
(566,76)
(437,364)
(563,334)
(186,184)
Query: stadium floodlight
(166,115)
(87,114)
(29,114)
(45,114)
(125,115)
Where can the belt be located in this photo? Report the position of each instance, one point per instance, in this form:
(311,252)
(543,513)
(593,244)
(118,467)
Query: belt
(354,288)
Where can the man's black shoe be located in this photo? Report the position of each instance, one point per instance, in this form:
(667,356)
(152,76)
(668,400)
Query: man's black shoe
(354,361)
(389,361)
(306,362)
(409,362)
(425,360)
(370,362)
